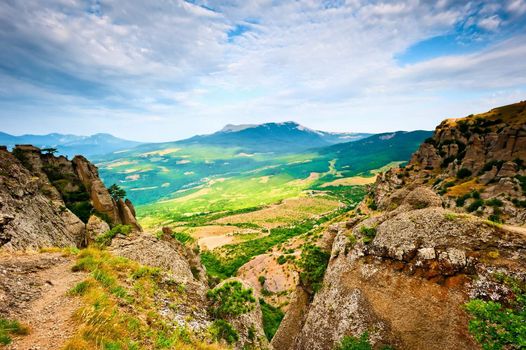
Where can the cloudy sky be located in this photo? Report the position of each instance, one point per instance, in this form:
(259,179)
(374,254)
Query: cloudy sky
(164,70)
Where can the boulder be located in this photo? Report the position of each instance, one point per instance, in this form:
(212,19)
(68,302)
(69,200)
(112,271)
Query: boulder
(95,227)
(99,195)
(126,216)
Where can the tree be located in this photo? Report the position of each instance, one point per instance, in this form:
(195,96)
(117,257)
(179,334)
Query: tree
(116,192)
(49,150)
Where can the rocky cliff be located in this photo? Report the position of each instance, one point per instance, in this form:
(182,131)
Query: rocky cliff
(428,238)
(47,200)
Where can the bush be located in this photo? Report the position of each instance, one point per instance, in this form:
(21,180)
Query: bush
(313,263)
(231,299)
(272,317)
(496,326)
(261,280)
(183,237)
(475,205)
(368,233)
(494,202)
(353,343)
(282,259)
(105,238)
(463,173)
(8,328)
(221,329)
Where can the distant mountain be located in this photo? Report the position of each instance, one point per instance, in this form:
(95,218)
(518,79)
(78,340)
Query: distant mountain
(272,137)
(377,149)
(71,145)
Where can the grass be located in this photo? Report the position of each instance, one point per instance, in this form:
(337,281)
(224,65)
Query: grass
(272,317)
(120,309)
(313,263)
(224,262)
(8,328)
(105,238)
(368,233)
(230,300)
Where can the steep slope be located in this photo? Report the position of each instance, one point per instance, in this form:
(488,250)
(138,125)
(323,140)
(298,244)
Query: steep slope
(71,145)
(403,267)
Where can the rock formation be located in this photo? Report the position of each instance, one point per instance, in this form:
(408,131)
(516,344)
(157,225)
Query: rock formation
(47,200)
(417,248)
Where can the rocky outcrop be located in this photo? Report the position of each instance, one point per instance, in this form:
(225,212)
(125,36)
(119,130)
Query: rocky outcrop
(95,227)
(249,325)
(47,200)
(419,246)
(28,218)
(99,195)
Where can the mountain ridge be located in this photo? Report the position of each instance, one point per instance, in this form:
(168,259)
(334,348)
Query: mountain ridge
(70,144)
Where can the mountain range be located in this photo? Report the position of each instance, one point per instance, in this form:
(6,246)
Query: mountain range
(70,145)
(273,137)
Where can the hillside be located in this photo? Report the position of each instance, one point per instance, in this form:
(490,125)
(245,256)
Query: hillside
(288,137)
(169,172)
(434,256)
(70,145)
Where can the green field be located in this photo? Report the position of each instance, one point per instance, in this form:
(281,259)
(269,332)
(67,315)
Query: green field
(173,182)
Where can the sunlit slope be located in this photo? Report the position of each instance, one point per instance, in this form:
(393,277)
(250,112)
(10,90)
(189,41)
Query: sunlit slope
(173,179)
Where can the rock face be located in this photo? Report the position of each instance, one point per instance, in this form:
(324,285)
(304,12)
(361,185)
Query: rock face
(47,200)
(404,271)
(95,227)
(28,218)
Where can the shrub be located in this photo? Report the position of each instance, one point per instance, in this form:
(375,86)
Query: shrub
(489,165)
(495,217)
(261,280)
(183,237)
(368,233)
(522,180)
(282,259)
(494,202)
(463,173)
(8,328)
(353,343)
(496,326)
(272,317)
(231,299)
(475,205)
(313,263)
(221,329)
(105,238)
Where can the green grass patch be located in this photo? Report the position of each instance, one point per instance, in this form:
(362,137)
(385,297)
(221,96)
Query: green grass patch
(8,328)
(272,317)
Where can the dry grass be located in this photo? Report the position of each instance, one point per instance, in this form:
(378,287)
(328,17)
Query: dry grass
(290,210)
(465,188)
(120,307)
(351,181)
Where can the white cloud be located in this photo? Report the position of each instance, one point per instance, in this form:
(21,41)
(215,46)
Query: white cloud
(169,69)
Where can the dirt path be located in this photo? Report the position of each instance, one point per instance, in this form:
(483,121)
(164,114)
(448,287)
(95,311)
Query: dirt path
(40,282)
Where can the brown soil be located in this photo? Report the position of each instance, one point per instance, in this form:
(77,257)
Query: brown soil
(33,290)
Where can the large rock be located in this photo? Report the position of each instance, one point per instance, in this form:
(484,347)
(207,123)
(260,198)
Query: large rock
(126,214)
(249,325)
(99,195)
(28,218)
(95,227)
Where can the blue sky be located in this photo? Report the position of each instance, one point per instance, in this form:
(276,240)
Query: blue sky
(165,70)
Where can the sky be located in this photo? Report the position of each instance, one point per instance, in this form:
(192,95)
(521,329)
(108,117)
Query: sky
(165,70)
